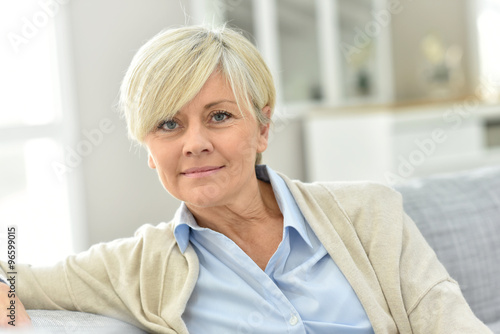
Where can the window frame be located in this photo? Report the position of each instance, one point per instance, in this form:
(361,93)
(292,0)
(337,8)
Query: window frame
(63,130)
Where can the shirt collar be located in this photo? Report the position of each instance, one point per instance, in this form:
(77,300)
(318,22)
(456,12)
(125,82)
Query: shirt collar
(184,221)
(292,216)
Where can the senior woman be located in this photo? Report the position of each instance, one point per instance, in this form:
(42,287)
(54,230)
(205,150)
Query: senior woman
(249,250)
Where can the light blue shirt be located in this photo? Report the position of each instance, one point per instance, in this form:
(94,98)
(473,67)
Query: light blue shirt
(301,290)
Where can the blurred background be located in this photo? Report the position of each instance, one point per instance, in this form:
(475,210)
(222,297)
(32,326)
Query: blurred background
(382,90)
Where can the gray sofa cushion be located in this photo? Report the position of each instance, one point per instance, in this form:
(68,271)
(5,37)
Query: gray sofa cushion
(45,321)
(459,215)
(495,327)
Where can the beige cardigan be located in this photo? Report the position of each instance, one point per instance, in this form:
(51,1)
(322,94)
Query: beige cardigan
(147,281)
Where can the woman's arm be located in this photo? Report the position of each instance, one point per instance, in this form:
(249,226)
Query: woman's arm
(102,280)
(38,287)
(438,306)
(12,311)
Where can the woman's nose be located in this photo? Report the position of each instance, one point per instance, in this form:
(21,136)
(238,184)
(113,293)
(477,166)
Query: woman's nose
(197,141)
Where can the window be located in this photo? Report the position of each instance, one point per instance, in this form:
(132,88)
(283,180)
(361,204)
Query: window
(298,45)
(488,25)
(33,196)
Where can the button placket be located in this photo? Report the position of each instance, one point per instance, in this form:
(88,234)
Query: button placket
(293,320)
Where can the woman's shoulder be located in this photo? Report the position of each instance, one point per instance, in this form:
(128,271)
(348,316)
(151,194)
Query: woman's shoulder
(146,235)
(355,192)
(359,190)
(362,203)
(369,207)
(369,199)
(162,232)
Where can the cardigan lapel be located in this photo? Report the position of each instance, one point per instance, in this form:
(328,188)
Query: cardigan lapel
(337,234)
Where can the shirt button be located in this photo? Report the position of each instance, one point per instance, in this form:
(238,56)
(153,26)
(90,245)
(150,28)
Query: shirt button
(293,320)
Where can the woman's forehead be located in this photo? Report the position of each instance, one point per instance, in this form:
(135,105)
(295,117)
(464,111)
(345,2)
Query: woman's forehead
(216,91)
(216,85)
(216,103)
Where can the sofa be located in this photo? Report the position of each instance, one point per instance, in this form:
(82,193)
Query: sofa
(458,214)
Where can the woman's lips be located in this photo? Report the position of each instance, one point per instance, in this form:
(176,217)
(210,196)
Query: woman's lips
(201,171)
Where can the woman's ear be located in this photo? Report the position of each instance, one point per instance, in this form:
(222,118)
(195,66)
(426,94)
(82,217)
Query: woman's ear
(264,130)
(151,161)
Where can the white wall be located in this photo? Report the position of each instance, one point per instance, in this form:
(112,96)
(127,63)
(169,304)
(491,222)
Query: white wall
(121,192)
(285,152)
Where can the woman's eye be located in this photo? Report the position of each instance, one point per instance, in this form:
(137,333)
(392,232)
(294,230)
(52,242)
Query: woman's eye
(169,125)
(221,116)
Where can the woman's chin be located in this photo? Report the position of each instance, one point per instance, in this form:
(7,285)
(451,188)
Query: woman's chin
(206,196)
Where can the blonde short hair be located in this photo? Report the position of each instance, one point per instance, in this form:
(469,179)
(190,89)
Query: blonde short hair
(170,69)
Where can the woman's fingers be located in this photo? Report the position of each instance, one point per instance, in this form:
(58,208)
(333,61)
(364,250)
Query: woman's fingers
(12,311)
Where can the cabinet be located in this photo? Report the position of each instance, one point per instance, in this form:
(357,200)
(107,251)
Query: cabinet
(391,144)
(355,52)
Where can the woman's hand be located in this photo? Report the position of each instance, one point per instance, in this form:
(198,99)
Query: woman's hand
(12,311)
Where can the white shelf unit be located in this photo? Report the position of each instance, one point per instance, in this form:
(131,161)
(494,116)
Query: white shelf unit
(392,144)
(303,41)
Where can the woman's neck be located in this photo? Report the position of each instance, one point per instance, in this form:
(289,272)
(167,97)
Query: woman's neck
(255,225)
(243,221)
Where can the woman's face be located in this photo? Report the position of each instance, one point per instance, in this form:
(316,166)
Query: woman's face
(205,155)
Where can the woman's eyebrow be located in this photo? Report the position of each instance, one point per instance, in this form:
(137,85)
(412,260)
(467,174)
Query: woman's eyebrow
(211,104)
